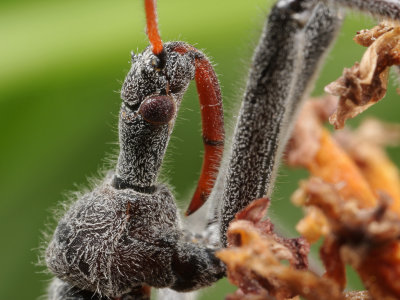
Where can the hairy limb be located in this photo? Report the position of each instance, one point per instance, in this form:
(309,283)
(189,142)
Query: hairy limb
(318,36)
(293,42)
(379,8)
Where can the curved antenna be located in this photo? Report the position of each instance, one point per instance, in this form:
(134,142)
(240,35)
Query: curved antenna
(212,119)
(152,27)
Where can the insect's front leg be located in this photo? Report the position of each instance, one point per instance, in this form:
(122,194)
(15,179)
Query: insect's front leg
(295,37)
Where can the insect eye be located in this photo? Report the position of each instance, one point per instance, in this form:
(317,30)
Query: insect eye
(159,60)
(158,110)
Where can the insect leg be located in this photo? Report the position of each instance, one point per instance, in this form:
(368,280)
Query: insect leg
(290,41)
(379,8)
(319,34)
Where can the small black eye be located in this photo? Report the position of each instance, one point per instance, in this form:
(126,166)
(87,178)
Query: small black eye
(161,60)
(158,110)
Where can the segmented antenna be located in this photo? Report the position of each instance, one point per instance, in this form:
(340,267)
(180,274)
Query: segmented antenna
(212,119)
(152,27)
(210,98)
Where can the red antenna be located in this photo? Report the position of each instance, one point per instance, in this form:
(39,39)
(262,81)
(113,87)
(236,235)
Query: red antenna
(210,104)
(152,26)
(212,119)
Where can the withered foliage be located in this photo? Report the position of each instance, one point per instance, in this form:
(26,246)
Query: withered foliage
(355,198)
(365,83)
(254,260)
(365,146)
(365,238)
(351,199)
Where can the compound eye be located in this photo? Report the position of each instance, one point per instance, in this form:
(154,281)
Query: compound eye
(158,110)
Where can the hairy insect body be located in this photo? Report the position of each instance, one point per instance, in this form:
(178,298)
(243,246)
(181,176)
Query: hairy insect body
(60,290)
(126,233)
(112,240)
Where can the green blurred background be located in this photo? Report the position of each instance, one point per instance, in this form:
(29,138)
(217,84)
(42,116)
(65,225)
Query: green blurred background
(61,67)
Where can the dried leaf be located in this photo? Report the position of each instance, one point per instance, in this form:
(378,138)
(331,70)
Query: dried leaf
(305,141)
(255,266)
(333,165)
(334,264)
(365,83)
(356,160)
(365,147)
(252,239)
(354,196)
(313,225)
(368,36)
(327,160)
(365,238)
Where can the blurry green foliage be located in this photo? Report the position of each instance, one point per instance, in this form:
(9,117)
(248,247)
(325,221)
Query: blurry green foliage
(61,66)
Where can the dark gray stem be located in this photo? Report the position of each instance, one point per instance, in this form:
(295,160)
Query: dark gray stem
(292,43)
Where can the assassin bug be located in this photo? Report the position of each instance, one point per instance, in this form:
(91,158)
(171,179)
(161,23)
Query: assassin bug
(125,235)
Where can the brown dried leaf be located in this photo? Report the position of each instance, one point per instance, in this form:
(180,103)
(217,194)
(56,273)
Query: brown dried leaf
(313,225)
(255,266)
(365,147)
(251,236)
(366,37)
(365,83)
(333,165)
(356,159)
(312,147)
(379,269)
(351,197)
(334,264)
(365,238)
(240,295)
(347,219)
(254,261)
(305,141)
(251,217)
